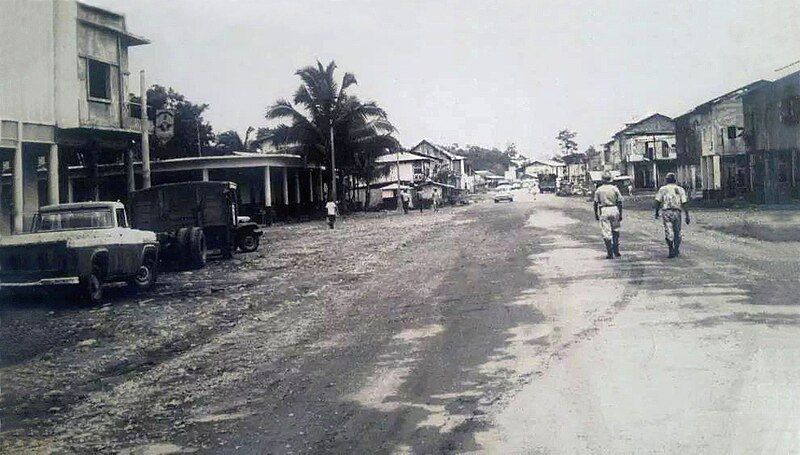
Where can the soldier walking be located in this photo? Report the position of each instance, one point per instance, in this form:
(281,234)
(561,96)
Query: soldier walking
(671,200)
(608,211)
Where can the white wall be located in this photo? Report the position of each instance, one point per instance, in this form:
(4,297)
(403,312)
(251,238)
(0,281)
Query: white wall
(38,74)
(26,61)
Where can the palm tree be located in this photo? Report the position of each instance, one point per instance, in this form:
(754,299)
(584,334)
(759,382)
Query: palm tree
(323,112)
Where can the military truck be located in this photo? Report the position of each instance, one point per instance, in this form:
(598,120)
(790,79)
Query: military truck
(81,246)
(191,218)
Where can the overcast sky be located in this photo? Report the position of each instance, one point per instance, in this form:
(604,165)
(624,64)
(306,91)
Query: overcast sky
(468,72)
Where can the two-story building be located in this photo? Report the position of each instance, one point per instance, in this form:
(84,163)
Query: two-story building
(647,150)
(63,85)
(710,147)
(538,168)
(772,139)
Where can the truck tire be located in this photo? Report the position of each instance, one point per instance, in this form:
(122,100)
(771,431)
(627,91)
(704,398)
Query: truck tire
(146,275)
(248,242)
(181,248)
(197,248)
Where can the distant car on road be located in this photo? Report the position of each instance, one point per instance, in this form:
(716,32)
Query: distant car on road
(83,244)
(503,194)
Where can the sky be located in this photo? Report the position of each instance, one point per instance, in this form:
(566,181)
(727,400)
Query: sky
(467,72)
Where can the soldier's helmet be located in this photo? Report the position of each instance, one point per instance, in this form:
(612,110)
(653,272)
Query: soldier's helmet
(670,178)
(607,176)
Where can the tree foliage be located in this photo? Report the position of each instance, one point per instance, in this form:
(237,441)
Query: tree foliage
(361,130)
(481,158)
(228,142)
(193,135)
(566,141)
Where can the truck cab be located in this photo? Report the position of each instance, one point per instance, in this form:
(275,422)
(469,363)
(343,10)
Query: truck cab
(83,245)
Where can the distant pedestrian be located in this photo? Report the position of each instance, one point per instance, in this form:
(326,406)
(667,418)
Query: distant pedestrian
(671,200)
(333,210)
(435,202)
(406,200)
(535,191)
(608,211)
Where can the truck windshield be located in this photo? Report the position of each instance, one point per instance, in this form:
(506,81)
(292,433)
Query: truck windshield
(73,219)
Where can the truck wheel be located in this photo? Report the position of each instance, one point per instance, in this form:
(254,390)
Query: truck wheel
(181,248)
(197,248)
(92,289)
(146,275)
(248,242)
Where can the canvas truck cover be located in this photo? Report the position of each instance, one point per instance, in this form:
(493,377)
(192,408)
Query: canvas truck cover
(165,208)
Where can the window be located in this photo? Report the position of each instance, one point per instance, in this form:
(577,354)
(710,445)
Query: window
(70,220)
(122,221)
(732,132)
(99,80)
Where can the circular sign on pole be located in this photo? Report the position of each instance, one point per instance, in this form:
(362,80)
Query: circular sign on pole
(164,125)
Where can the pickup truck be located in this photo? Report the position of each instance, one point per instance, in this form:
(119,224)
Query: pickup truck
(80,245)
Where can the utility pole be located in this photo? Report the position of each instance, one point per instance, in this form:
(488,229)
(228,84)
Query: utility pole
(332,191)
(399,196)
(197,124)
(145,133)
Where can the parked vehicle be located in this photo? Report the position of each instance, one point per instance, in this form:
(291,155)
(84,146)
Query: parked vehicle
(503,194)
(191,218)
(82,245)
(547,183)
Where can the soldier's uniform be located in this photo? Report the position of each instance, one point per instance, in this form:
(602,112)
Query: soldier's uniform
(608,198)
(671,199)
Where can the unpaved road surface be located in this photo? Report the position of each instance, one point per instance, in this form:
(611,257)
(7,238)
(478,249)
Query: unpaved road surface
(492,328)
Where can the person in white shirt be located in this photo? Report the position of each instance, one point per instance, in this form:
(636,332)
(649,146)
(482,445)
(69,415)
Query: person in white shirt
(333,210)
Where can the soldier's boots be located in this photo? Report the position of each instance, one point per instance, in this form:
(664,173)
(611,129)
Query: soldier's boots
(671,246)
(677,246)
(615,244)
(609,249)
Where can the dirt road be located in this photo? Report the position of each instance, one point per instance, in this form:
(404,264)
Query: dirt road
(494,327)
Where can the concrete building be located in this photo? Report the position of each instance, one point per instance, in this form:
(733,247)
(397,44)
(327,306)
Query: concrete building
(647,150)
(486,179)
(278,185)
(63,85)
(458,165)
(544,167)
(408,168)
(772,139)
(424,165)
(710,148)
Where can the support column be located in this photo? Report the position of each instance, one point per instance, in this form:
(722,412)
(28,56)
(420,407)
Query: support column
(297,186)
(267,187)
(17,183)
(70,191)
(655,174)
(52,174)
(311,197)
(145,133)
(205,174)
(285,186)
(129,171)
(319,185)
